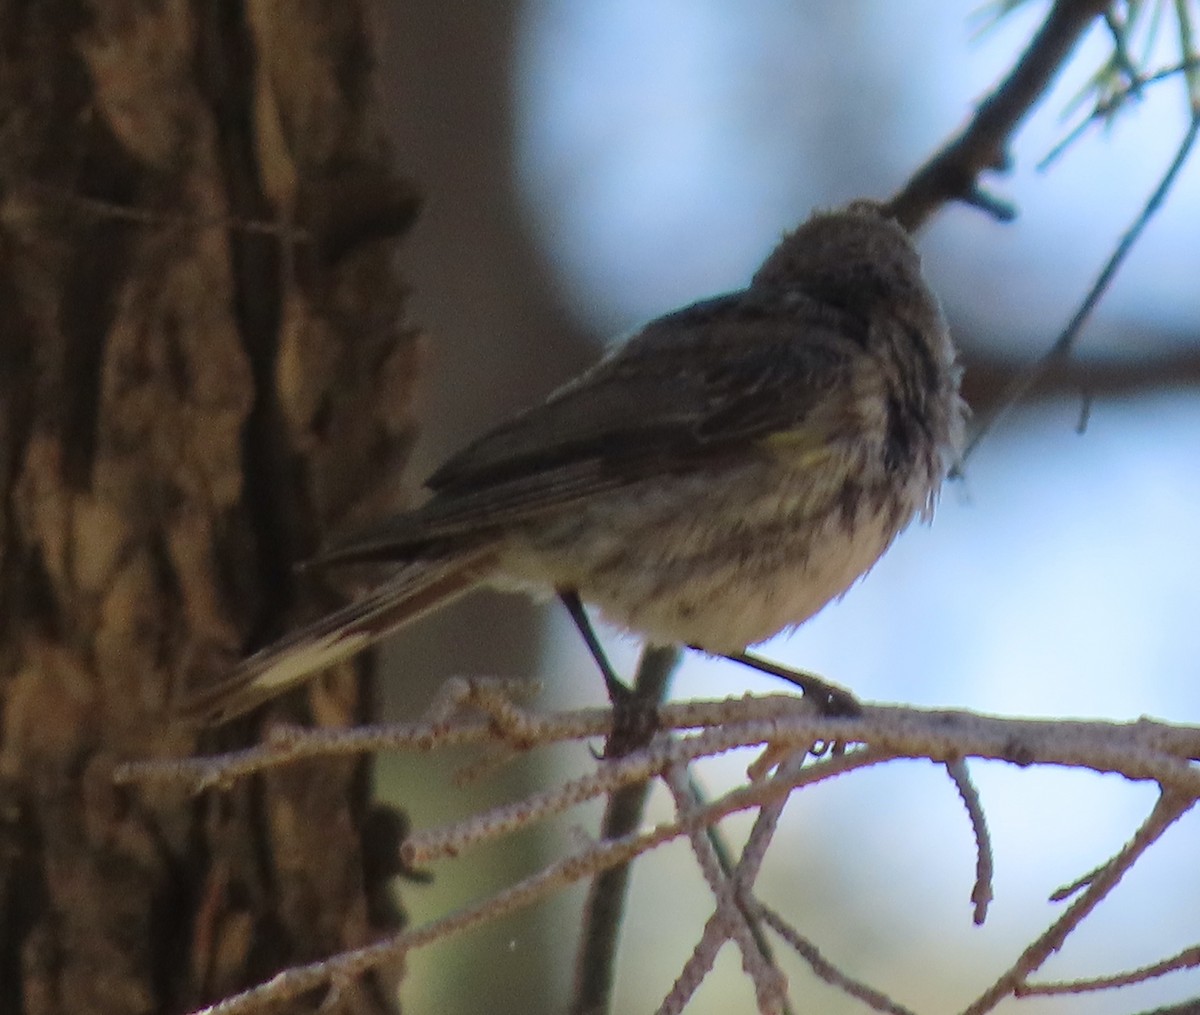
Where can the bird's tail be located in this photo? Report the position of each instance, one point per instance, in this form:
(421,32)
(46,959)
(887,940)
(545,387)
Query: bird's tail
(411,592)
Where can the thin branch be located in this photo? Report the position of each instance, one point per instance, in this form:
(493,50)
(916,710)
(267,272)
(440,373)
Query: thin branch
(595,965)
(981,892)
(346,966)
(1121,56)
(694,970)
(762,833)
(990,376)
(1144,749)
(1187,48)
(452,839)
(1064,892)
(746,869)
(1109,105)
(1019,737)
(1065,343)
(445,726)
(728,922)
(825,969)
(953,173)
(770,984)
(300,980)
(1189,958)
(1169,808)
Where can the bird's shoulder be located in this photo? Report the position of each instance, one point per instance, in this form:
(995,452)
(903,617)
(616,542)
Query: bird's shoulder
(714,382)
(681,379)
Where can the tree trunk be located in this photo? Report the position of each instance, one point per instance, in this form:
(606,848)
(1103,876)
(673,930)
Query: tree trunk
(202,368)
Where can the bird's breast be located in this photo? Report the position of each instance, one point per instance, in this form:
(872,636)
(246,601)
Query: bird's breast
(721,560)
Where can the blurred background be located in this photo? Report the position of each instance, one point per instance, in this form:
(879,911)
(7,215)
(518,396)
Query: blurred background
(587,166)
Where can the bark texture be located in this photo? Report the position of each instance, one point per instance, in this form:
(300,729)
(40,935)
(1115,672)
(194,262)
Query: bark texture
(202,369)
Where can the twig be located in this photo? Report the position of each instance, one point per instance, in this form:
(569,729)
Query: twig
(1187,46)
(1143,750)
(1189,958)
(450,840)
(1064,344)
(729,922)
(1166,811)
(1119,378)
(953,173)
(1121,55)
(981,892)
(753,853)
(301,979)
(1064,892)
(825,969)
(446,725)
(1112,103)
(1087,399)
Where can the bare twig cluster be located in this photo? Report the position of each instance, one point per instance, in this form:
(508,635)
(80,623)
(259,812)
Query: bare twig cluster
(798,747)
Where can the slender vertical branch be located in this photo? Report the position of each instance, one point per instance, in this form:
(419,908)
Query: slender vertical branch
(595,967)
(1064,344)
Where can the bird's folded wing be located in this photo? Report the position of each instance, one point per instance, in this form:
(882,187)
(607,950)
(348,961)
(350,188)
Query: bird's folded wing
(706,386)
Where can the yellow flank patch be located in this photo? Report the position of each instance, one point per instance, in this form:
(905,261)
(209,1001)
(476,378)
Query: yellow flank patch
(804,446)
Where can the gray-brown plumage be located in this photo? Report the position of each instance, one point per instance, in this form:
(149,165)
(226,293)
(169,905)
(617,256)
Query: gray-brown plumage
(718,478)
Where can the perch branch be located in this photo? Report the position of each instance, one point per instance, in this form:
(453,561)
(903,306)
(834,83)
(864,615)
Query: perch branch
(596,963)
(953,173)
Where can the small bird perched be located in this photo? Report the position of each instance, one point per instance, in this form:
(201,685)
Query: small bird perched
(717,478)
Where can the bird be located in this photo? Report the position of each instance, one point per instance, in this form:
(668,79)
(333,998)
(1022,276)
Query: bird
(717,478)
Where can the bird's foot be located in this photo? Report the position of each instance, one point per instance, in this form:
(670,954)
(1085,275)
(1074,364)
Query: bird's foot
(832,700)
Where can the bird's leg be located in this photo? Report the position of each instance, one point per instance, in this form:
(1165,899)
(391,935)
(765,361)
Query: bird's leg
(635,718)
(831,699)
(618,692)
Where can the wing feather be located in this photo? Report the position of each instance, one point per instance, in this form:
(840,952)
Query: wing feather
(688,391)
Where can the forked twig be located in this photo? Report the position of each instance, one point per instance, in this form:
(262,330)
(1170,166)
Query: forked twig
(1189,958)
(1169,808)
(731,920)
(450,840)
(554,877)
(786,729)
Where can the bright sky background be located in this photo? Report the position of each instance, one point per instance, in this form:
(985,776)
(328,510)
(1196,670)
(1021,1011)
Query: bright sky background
(662,147)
